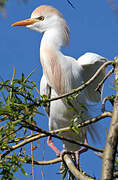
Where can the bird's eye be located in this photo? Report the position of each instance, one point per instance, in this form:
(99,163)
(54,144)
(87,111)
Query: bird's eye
(41,18)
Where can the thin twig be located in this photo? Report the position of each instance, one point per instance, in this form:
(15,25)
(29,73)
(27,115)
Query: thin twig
(86,123)
(43,160)
(67,159)
(49,162)
(104,79)
(53,134)
(82,86)
(36,162)
(16,91)
(13,132)
(66,94)
(32,157)
(71,4)
(110,98)
(56,136)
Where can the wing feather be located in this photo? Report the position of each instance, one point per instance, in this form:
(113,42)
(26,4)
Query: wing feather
(45,89)
(90,63)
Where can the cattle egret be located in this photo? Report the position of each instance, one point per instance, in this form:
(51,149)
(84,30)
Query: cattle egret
(62,74)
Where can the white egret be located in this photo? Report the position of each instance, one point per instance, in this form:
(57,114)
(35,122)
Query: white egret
(62,74)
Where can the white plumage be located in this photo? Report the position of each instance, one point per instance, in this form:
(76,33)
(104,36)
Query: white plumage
(62,74)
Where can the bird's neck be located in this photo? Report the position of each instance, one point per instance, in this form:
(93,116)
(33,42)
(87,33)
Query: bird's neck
(55,37)
(51,58)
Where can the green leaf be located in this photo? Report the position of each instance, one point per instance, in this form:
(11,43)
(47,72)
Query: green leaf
(13,75)
(23,171)
(76,130)
(65,170)
(30,75)
(23,77)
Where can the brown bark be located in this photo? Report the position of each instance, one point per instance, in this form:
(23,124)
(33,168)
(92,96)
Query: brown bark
(112,138)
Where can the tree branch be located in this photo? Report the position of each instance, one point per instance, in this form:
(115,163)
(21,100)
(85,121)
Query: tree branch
(112,138)
(78,174)
(107,98)
(86,123)
(36,162)
(44,135)
(53,134)
(82,86)
(104,79)
(67,160)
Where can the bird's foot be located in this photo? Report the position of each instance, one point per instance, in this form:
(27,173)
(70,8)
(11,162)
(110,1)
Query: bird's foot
(74,155)
(77,155)
(64,152)
(63,167)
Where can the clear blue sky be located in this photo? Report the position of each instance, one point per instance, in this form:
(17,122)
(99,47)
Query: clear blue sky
(93,28)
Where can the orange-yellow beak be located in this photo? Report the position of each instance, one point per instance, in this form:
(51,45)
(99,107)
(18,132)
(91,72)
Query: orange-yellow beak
(24,22)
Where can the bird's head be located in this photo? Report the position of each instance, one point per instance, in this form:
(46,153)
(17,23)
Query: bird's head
(44,18)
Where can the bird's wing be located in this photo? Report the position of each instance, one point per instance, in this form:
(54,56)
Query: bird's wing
(45,89)
(90,63)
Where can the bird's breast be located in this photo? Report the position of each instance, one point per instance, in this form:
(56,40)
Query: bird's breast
(53,70)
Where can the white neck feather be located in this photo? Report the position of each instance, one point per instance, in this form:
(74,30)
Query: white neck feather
(51,57)
(53,39)
(57,36)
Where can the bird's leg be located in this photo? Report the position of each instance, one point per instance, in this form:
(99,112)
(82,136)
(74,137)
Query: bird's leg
(52,146)
(83,149)
(80,151)
(75,155)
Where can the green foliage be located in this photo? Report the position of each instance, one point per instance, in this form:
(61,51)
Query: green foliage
(78,114)
(9,166)
(19,104)
(116,165)
(65,172)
